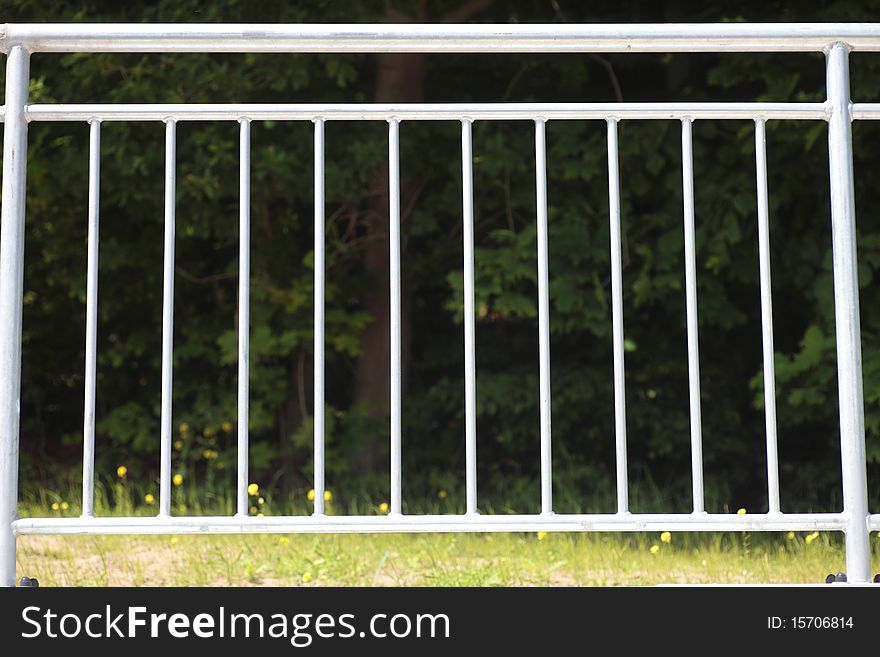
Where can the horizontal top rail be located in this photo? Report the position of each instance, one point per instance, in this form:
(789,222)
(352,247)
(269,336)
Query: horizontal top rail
(438,38)
(435,111)
(422,111)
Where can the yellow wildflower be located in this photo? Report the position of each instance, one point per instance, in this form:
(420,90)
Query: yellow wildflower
(65,506)
(121,471)
(173,540)
(209,454)
(177,479)
(149,499)
(261,501)
(55,506)
(542,536)
(666,537)
(328,496)
(654,549)
(741,512)
(253,509)
(226,426)
(283,540)
(178,445)
(383,508)
(307,577)
(809,538)
(790,536)
(311,495)
(184,428)
(441,494)
(259,515)
(253,489)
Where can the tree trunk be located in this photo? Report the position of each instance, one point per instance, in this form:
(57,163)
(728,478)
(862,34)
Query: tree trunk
(400,78)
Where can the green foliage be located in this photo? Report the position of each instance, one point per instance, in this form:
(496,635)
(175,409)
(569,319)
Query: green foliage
(205,339)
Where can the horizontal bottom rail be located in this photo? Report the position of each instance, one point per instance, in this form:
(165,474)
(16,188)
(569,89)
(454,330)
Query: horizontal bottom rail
(623,522)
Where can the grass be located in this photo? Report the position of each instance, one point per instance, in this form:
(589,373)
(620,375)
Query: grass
(406,559)
(431,559)
(427,560)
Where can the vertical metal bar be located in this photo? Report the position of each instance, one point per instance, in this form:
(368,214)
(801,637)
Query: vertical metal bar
(394,250)
(244,279)
(846,317)
(767,316)
(543,316)
(617,318)
(470,367)
(168,318)
(11,285)
(319,318)
(690,271)
(88,482)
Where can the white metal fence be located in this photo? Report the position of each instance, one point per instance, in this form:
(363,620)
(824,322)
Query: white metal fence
(835,40)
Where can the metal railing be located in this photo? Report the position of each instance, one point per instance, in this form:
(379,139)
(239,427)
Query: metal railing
(835,40)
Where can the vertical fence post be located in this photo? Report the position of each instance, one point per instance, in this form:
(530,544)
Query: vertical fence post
(394,302)
(11,283)
(767,316)
(91,349)
(693,340)
(470,362)
(846,317)
(543,315)
(166,429)
(244,305)
(617,317)
(318,410)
